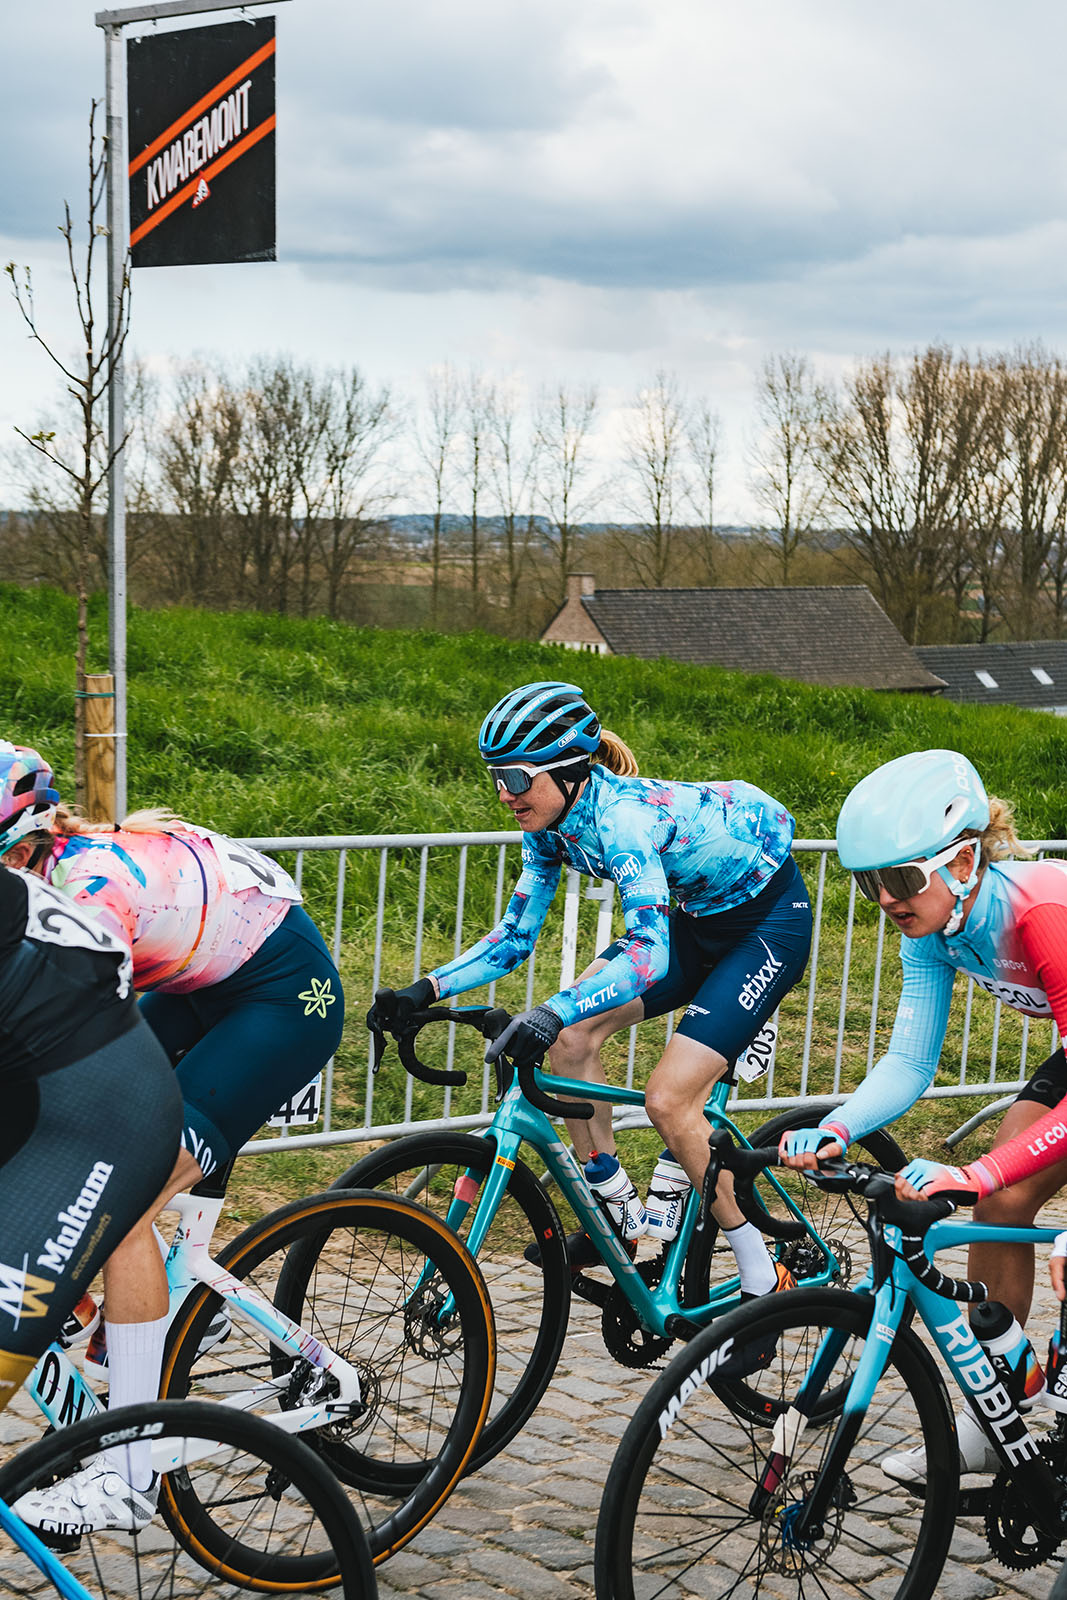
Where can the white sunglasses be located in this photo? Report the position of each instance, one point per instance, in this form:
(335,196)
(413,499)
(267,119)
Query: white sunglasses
(909,878)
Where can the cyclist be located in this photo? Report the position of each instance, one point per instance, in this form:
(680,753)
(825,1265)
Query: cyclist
(717,920)
(239,989)
(92,1121)
(926,843)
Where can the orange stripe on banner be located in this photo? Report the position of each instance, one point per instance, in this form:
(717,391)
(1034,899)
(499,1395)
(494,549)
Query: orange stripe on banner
(254,60)
(207,173)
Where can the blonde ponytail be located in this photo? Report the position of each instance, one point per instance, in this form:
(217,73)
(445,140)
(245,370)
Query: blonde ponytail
(615,755)
(999,838)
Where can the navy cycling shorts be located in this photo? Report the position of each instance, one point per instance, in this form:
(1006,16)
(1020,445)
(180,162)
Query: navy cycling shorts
(244,1045)
(732,970)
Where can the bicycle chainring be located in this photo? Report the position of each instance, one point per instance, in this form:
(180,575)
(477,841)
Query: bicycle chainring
(626,1340)
(1013,1539)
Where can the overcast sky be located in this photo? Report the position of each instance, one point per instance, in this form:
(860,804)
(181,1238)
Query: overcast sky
(594,189)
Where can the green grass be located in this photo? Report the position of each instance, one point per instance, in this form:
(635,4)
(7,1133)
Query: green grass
(259,725)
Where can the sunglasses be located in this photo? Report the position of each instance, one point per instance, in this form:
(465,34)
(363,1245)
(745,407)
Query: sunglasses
(910,878)
(518,777)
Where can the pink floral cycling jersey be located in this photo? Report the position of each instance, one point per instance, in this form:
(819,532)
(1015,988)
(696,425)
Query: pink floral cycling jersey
(192,906)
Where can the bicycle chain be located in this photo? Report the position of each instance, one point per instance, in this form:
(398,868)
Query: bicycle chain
(627,1341)
(1013,1539)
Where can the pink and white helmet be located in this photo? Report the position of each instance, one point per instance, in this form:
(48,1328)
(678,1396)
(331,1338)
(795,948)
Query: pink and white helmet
(28,794)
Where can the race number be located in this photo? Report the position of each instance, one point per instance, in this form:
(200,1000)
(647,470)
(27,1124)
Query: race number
(245,868)
(759,1057)
(301,1109)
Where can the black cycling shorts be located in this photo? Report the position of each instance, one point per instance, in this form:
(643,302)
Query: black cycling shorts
(1048,1086)
(86,1150)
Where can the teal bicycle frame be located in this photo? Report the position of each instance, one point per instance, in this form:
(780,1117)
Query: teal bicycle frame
(963,1355)
(45,1560)
(517,1122)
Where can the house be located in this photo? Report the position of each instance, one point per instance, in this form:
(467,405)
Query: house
(1024,674)
(831,635)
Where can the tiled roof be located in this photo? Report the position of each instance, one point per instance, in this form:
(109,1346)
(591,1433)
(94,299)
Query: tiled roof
(830,635)
(1013,674)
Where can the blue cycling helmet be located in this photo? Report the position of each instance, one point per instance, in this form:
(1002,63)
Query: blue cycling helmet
(540,723)
(911,809)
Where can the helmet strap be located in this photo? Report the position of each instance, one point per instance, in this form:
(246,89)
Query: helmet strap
(961,891)
(569,783)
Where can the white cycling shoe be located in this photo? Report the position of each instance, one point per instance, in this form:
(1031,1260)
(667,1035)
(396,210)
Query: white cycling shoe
(976,1454)
(96,1498)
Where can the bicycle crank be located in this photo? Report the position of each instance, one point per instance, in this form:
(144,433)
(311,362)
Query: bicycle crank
(626,1340)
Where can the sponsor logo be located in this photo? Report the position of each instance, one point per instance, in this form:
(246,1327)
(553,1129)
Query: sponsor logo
(203,192)
(699,1376)
(624,869)
(75,1219)
(200,1150)
(697,1011)
(759,982)
(963,777)
(609,992)
(318,997)
(1045,1141)
(1015,966)
(884,1333)
(196,146)
(988,1394)
(571,733)
(801,905)
(150,1430)
(22,1294)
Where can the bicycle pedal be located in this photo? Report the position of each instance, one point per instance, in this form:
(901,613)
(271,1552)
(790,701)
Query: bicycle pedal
(590,1289)
(972,1502)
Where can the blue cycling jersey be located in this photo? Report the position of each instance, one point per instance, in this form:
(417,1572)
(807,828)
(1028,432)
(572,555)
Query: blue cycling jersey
(706,846)
(1004,945)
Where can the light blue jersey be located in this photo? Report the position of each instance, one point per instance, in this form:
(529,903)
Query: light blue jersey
(708,847)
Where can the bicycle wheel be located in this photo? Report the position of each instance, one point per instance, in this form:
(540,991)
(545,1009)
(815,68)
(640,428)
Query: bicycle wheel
(531,1304)
(693,1504)
(386,1286)
(245,1507)
(835,1218)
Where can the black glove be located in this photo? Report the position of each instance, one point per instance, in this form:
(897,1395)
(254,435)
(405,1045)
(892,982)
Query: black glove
(393,1007)
(526,1038)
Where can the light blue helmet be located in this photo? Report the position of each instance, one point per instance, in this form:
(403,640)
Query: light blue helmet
(541,723)
(910,808)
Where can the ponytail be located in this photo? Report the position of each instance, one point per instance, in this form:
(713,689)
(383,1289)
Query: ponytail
(616,756)
(999,839)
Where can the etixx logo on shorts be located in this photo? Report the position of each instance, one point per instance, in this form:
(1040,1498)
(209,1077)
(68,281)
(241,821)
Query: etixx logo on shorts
(624,868)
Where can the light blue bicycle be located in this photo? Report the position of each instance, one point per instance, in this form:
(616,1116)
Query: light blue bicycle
(243,1506)
(773,1486)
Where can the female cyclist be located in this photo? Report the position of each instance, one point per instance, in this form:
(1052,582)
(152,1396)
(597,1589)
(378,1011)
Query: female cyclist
(926,843)
(238,987)
(91,1124)
(717,920)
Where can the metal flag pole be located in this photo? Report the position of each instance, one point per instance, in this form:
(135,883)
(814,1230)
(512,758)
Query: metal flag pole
(118,244)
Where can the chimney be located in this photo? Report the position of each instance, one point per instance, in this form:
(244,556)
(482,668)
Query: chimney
(579,584)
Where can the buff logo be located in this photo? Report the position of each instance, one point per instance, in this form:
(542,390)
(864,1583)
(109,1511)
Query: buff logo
(759,981)
(75,1219)
(610,992)
(699,1376)
(198,145)
(624,869)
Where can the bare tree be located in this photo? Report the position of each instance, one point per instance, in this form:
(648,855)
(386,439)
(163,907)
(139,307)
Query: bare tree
(564,423)
(360,422)
(477,401)
(197,448)
(513,466)
(654,460)
(1035,397)
(436,444)
(703,433)
(784,456)
(81,463)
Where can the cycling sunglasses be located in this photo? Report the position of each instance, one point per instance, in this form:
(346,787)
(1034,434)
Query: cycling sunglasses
(910,878)
(518,777)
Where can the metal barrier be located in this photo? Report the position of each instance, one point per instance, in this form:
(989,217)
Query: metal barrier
(829,1034)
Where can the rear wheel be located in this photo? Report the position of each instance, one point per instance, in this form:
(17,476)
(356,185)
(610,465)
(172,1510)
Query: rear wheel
(531,1303)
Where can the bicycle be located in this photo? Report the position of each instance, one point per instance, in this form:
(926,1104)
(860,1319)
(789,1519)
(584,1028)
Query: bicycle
(355,1321)
(711,1493)
(492,1198)
(246,1506)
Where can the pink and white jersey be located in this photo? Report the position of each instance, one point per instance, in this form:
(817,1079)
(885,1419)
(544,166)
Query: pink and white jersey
(191,905)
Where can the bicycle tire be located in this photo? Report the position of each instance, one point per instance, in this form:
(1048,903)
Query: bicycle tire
(345,1267)
(525,1297)
(680,1490)
(834,1219)
(254,1456)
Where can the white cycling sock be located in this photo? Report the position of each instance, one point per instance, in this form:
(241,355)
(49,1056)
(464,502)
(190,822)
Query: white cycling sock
(134,1361)
(753,1263)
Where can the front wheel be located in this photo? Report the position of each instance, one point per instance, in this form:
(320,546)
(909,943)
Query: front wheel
(704,1499)
(834,1251)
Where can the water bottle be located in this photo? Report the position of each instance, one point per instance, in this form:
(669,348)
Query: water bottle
(1056,1370)
(1010,1351)
(666,1198)
(607,1178)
